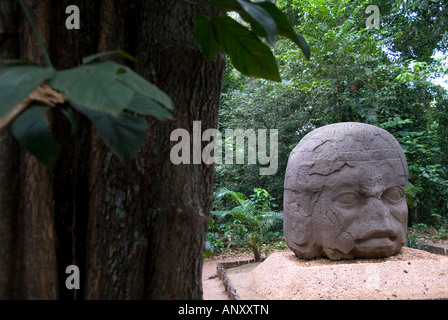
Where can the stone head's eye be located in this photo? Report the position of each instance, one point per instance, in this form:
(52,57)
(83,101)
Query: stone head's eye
(393,194)
(347,198)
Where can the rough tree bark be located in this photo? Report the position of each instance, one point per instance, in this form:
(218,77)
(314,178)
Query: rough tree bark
(9,187)
(135,233)
(29,234)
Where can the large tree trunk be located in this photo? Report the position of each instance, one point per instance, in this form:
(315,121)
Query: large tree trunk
(9,160)
(134,233)
(28,237)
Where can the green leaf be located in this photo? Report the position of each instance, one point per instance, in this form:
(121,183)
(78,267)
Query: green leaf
(31,129)
(260,20)
(143,87)
(124,135)
(17,82)
(148,107)
(247,53)
(95,87)
(405,77)
(203,30)
(266,20)
(122,53)
(261,16)
(284,27)
(108,87)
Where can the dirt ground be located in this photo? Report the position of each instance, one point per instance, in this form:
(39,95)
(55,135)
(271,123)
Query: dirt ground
(212,286)
(412,274)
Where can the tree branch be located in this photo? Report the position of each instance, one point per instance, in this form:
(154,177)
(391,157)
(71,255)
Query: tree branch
(43,94)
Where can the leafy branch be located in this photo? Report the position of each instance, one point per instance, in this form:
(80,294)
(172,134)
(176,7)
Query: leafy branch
(247,52)
(110,95)
(44,94)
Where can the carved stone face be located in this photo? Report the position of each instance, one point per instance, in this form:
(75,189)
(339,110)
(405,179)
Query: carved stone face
(345,194)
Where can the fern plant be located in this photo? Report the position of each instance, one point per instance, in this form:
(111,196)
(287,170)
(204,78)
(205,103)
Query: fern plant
(251,219)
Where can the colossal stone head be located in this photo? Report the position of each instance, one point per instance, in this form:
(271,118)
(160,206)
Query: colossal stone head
(345,193)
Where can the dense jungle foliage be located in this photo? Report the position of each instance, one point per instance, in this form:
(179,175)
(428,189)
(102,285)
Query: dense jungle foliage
(389,77)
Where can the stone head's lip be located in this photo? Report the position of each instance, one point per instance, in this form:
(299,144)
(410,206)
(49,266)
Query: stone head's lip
(377,242)
(378,234)
(376,245)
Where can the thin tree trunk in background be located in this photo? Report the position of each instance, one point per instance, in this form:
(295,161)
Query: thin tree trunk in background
(134,233)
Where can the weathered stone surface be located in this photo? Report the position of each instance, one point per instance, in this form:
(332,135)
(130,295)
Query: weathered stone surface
(345,193)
